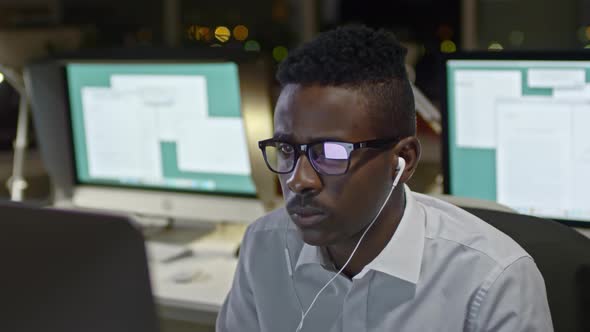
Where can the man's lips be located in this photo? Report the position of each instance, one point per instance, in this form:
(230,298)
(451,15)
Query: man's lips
(306,216)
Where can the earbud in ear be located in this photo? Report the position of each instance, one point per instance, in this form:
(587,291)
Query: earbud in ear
(401,165)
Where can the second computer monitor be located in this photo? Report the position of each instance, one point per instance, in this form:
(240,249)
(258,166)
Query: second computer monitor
(517,132)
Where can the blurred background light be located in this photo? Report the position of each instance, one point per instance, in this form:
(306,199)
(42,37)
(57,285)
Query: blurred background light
(448,46)
(240,32)
(252,45)
(581,33)
(279,53)
(222,34)
(495,46)
(516,38)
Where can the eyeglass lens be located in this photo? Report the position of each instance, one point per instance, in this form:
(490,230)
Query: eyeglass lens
(329,158)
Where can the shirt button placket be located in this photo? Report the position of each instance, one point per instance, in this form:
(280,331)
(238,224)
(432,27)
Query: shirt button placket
(354,309)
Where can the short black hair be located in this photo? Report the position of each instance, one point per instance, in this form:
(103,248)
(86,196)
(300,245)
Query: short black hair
(362,59)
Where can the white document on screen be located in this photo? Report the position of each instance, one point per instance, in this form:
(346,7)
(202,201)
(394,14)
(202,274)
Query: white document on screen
(476,95)
(556,78)
(216,145)
(576,93)
(174,98)
(533,155)
(205,144)
(580,204)
(120,138)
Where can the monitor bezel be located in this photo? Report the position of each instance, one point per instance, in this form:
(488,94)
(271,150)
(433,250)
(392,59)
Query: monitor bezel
(583,55)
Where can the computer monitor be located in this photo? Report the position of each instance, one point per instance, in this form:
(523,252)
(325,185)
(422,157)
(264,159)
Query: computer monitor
(165,126)
(170,137)
(73,271)
(516,131)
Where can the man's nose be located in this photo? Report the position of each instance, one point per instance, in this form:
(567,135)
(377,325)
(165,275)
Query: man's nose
(304,179)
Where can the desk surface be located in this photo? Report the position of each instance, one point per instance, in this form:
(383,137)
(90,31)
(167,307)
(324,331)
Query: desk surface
(208,272)
(198,300)
(584,231)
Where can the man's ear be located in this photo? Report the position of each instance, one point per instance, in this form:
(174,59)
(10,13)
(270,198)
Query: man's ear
(409,149)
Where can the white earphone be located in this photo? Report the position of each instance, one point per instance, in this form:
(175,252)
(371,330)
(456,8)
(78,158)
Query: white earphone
(401,165)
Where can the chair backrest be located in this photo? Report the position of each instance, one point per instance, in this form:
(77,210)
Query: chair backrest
(563,257)
(468,202)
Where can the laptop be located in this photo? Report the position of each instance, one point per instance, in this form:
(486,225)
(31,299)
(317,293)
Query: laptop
(72,271)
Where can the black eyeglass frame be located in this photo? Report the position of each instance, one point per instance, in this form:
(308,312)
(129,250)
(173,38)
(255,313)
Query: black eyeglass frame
(305,149)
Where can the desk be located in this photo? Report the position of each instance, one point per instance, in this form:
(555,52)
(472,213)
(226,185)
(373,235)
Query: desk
(584,231)
(197,301)
(212,260)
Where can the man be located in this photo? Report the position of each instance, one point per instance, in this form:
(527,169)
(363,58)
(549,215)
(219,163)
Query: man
(352,251)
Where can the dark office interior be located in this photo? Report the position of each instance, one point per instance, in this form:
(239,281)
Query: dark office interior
(431,30)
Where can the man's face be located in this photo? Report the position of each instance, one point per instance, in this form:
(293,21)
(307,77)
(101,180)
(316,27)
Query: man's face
(330,209)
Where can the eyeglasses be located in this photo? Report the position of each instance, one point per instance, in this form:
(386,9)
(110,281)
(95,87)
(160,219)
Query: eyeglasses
(326,157)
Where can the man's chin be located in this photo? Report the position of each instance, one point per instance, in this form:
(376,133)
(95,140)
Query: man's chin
(318,238)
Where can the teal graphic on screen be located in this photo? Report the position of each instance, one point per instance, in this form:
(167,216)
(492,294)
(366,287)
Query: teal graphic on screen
(160,126)
(517,134)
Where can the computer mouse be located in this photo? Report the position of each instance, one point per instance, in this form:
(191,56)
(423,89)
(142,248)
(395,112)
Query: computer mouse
(183,276)
(187,276)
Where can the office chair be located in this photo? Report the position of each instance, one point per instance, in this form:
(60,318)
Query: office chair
(563,257)
(468,202)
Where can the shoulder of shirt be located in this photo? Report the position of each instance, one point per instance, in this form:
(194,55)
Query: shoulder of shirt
(447,222)
(267,231)
(276,220)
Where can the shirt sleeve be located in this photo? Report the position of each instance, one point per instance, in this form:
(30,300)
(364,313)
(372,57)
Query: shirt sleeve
(515,300)
(238,312)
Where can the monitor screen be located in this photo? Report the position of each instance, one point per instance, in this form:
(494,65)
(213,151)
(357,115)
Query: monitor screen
(164,126)
(517,133)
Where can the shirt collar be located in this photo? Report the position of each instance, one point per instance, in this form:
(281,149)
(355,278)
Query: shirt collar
(402,256)
(314,255)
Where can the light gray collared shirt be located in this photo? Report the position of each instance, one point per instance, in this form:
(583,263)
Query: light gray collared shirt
(443,270)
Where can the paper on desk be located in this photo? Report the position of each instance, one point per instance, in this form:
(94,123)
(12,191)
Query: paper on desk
(224,241)
(163,252)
